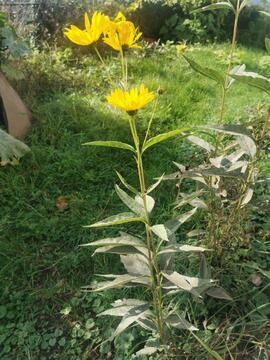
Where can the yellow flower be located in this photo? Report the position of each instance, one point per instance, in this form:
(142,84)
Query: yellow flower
(180,48)
(130,101)
(92,31)
(120,17)
(122,33)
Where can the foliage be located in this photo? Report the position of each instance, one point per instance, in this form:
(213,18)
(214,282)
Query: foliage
(45,278)
(12,48)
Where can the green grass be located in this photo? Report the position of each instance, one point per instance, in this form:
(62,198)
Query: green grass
(42,265)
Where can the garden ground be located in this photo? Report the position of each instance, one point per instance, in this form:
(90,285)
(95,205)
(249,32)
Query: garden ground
(61,186)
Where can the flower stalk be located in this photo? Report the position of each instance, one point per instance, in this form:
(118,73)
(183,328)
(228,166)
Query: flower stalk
(156,277)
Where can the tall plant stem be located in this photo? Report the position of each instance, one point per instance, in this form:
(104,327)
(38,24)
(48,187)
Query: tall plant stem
(103,63)
(124,67)
(156,277)
(231,56)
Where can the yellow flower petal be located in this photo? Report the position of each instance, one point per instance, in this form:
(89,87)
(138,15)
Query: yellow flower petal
(93,30)
(132,100)
(122,34)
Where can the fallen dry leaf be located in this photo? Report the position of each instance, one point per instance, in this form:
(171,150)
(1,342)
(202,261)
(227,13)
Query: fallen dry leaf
(256,279)
(61,203)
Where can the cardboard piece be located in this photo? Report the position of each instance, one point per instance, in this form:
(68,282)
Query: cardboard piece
(17,117)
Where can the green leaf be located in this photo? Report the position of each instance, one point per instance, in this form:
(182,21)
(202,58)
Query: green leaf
(147,351)
(11,149)
(182,248)
(11,71)
(218,293)
(214,354)
(126,184)
(217,6)
(190,284)
(150,202)
(267,44)
(124,240)
(153,186)
(121,250)
(114,144)
(160,231)
(265,13)
(253,79)
(132,204)
(132,316)
(244,136)
(202,143)
(238,69)
(122,307)
(247,197)
(174,224)
(118,282)
(118,219)
(243,5)
(135,264)
(208,72)
(204,269)
(162,137)
(179,322)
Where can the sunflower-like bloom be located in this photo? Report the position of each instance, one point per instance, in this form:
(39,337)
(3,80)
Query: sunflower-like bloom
(93,30)
(122,33)
(130,101)
(180,48)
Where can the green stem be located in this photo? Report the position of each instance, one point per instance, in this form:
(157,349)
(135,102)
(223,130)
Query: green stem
(232,51)
(103,63)
(156,277)
(124,67)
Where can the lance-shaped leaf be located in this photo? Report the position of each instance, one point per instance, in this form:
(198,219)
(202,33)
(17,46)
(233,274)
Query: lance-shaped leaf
(218,293)
(162,137)
(247,145)
(192,199)
(118,282)
(205,71)
(247,197)
(243,5)
(146,351)
(190,284)
(11,149)
(135,264)
(124,244)
(153,186)
(151,346)
(132,204)
(174,224)
(181,248)
(267,44)
(204,271)
(243,134)
(161,231)
(113,144)
(195,233)
(179,322)
(126,184)
(222,5)
(238,69)
(265,13)
(150,202)
(131,317)
(121,250)
(124,239)
(201,142)
(118,219)
(253,79)
(122,307)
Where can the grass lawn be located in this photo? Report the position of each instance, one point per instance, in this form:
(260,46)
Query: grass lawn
(43,313)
